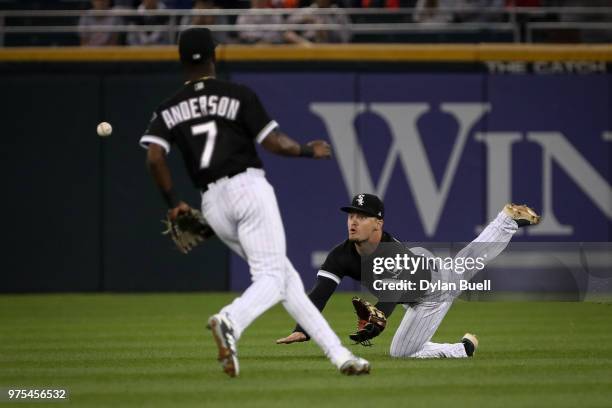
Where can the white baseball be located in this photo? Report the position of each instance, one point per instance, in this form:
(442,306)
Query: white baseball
(104,129)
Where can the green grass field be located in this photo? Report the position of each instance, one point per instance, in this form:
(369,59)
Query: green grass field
(153,351)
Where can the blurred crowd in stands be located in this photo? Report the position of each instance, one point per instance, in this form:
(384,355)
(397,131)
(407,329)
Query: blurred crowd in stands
(425,12)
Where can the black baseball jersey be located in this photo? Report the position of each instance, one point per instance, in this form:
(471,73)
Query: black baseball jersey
(345,261)
(215,125)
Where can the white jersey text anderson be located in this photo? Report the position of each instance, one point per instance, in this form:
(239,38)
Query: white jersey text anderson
(206,105)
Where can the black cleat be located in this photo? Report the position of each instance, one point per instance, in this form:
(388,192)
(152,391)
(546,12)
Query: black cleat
(470,342)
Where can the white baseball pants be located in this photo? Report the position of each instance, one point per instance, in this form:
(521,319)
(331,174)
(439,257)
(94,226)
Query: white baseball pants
(244,214)
(421,320)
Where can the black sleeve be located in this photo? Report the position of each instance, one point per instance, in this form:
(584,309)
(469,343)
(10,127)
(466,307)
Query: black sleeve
(157,133)
(335,264)
(255,117)
(319,295)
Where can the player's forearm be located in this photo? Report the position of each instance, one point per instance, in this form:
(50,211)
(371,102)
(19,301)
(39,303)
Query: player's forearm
(161,175)
(279,143)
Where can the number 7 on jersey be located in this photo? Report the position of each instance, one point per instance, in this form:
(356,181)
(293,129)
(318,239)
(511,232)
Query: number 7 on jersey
(210,130)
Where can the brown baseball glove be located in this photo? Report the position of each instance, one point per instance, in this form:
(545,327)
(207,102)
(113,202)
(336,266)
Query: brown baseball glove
(188,229)
(370,322)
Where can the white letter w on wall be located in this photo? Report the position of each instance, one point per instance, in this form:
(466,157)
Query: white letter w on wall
(406,145)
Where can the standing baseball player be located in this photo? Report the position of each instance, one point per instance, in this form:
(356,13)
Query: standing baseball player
(424,315)
(215,124)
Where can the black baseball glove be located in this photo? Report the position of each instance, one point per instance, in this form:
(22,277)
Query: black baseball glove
(370,322)
(188,229)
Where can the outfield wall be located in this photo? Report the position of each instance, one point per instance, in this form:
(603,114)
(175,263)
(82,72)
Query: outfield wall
(446,134)
(84,213)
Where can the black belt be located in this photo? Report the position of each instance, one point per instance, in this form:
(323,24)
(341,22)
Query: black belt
(229,175)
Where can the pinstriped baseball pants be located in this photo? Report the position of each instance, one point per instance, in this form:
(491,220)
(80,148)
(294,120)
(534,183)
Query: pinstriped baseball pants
(421,320)
(244,214)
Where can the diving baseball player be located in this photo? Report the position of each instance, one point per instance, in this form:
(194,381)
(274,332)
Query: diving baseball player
(423,316)
(215,124)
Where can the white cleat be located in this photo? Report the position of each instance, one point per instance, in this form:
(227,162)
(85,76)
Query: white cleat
(226,343)
(355,366)
(523,215)
(470,342)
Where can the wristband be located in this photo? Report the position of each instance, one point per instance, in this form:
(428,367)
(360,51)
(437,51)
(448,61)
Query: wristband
(306,151)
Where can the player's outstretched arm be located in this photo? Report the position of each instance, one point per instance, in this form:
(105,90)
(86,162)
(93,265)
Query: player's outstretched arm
(279,143)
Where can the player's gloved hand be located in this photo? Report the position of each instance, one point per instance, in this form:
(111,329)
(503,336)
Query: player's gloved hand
(320,148)
(365,335)
(370,322)
(186,227)
(181,208)
(295,337)
(361,324)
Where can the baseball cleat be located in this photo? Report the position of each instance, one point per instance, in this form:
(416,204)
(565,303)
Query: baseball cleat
(522,214)
(224,337)
(470,342)
(355,366)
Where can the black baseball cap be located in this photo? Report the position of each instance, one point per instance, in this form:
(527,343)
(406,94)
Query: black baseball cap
(368,204)
(196,45)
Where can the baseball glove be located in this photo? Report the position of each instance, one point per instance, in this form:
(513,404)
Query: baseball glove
(370,322)
(187,230)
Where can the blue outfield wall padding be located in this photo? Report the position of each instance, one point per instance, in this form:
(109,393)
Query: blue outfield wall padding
(445,148)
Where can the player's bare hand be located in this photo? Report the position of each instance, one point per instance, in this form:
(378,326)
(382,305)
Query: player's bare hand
(295,337)
(321,149)
(182,207)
